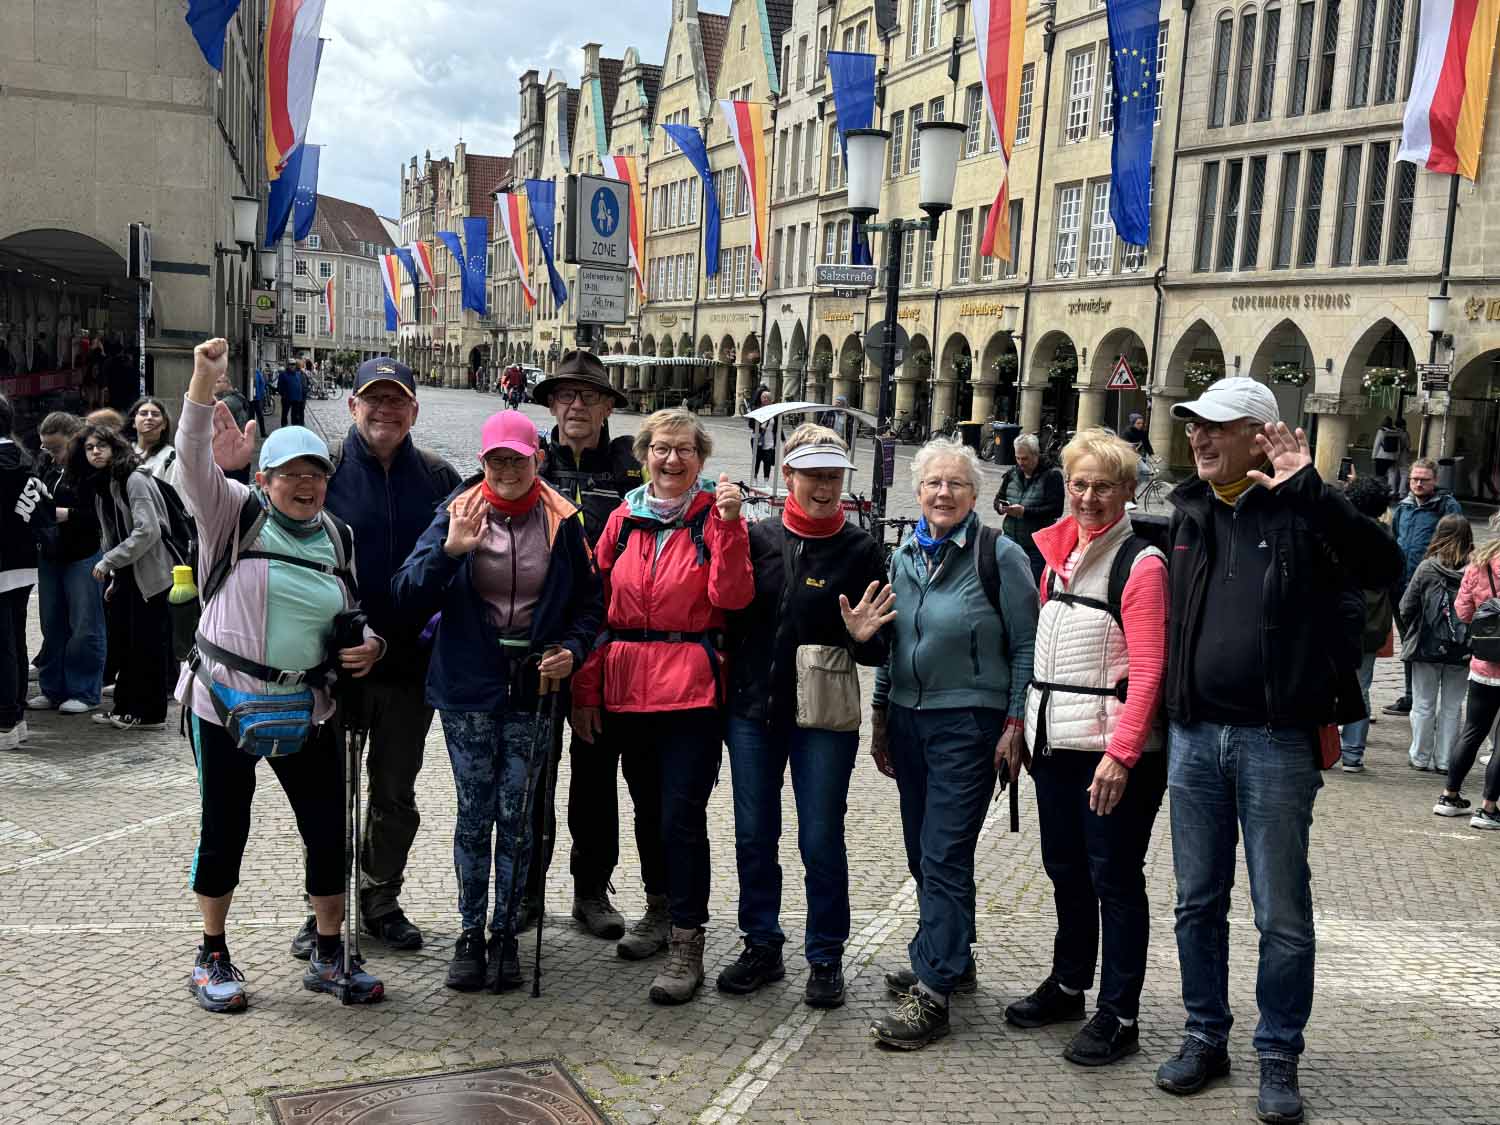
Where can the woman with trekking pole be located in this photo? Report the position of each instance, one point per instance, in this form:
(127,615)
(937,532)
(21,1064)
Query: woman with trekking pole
(505,575)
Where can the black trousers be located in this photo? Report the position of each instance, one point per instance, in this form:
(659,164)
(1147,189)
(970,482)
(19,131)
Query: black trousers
(765,459)
(143,646)
(293,411)
(671,763)
(313,781)
(13,659)
(1097,867)
(1483,706)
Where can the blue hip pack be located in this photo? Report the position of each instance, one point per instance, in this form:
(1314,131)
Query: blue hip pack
(268,726)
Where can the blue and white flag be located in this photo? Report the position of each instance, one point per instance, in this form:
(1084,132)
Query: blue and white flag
(410,263)
(305,200)
(476,262)
(541,197)
(691,142)
(1132,50)
(208,20)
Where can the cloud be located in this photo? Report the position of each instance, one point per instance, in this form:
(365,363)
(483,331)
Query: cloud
(400,79)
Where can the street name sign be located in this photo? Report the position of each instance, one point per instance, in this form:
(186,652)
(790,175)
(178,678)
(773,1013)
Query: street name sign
(845,277)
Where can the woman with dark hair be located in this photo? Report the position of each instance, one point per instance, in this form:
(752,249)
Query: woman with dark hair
(148,426)
(1483,702)
(1430,645)
(137,566)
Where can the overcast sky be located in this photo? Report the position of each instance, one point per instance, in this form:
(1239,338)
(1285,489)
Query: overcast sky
(399,78)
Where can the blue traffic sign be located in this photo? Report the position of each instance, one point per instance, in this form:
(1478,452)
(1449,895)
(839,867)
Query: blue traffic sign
(604,212)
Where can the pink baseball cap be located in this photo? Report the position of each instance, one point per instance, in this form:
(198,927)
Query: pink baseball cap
(509,429)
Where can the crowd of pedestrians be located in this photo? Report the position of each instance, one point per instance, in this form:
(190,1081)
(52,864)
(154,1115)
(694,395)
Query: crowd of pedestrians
(1227,664)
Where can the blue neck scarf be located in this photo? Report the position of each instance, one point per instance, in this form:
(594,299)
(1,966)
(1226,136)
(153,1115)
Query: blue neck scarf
(924,537)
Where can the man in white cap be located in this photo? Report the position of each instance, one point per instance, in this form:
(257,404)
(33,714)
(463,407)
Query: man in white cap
(1266,564)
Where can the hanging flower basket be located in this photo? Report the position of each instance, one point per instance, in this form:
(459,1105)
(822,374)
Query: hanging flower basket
(1289,375)
(822,364)
(1378,377)
(1005,367)
(962,365)
(922,361)
(1198,375)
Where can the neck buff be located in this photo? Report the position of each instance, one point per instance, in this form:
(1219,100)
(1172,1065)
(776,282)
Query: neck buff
(799,523)
(669,511)
(1231,493)
(517,507)
(300,528)
(924,537)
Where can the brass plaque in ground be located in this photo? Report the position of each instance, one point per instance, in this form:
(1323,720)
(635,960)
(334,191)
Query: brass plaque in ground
(540,1092)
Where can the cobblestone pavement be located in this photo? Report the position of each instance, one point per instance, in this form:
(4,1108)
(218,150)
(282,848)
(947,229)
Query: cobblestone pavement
(97,928)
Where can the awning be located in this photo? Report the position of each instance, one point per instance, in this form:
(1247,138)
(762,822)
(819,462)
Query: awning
(656,361)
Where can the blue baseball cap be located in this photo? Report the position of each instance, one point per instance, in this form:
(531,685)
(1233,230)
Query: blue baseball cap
(290,442)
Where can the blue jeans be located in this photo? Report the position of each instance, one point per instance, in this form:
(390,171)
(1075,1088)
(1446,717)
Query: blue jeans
(1262,780)
(822,762)
(945,771)
(1352,735)
(71,663)
(490,754)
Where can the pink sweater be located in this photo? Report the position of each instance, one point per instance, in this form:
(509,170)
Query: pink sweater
(1143,614)
(1473,590)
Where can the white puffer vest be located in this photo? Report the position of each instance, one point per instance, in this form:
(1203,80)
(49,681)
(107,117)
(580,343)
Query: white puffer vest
(1080,645)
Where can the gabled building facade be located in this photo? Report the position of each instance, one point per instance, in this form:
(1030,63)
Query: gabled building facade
(344,246)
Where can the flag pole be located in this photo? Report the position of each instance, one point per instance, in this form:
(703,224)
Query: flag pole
(1432,353)
(1049,40)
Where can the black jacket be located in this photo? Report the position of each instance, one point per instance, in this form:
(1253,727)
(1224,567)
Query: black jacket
(764,636)
(599,483)
(23,509)
(388,510)
(77,537)
(1323,553)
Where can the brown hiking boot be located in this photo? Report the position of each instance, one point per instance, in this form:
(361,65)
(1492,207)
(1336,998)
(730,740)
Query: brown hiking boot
(682,975)
(648,936)
(595,913)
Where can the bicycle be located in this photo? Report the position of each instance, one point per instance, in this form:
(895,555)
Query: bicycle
(1156,488)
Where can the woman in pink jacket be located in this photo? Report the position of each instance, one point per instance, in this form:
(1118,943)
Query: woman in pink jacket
(1481,582)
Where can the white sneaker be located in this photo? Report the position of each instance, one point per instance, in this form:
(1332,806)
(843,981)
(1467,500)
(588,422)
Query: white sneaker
(39,702)
(75,707)
(101,717)
(11,739)
(130,722)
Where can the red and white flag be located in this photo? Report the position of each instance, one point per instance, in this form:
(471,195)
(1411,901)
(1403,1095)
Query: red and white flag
(1450,86)
(1000,36)
(328,303)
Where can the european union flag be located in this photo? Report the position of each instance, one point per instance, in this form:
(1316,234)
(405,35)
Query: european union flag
(1132,47)
(208,20)
(691,142)
(476,262)
(542,197)
(284,191)
(305,201)
(852,76)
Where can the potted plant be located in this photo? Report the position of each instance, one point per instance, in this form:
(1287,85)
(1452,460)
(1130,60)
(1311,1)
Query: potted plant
(962,365)
(921,362)
(1378,377)
(1289,374)
(822,364)
(1197,374)
(1005,367)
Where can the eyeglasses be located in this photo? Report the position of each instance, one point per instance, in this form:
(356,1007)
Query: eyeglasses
(1103,489)
(935,484)
(385,402)
(1211,429)
(505,464)
(568,395)
(97,447)
(684,452)
(314,477)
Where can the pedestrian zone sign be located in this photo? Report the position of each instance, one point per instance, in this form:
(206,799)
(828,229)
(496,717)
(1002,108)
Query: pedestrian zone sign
(1122,378)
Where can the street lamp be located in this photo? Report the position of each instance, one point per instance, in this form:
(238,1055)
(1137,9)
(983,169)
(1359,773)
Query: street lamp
(939,141)
(246,218)
(1437,320)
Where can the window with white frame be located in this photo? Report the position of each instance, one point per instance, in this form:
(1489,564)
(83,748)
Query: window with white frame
(711,290)
(809,164)
(913,139)
(1101,230)
(1080,93)
(674,203)
(323,325)
(1023,105)
(986,261)
(1069,218)
(963,247)
(778,264)
(835,161)
(862,36)
(908,258)
(1161,68)
(300,267)
(914,29)
(299,324)
(927,256)
(741,256)
(898,127)
(934,12)
(935,110)
(1013,264)
(973,120)
(846,234)
(828,243)
(786,159)
(1106,92)
(315,242)
(300,297)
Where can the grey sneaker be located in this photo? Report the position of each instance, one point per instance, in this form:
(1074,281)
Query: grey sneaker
(650,934)
(595,913)
(1451,806)
(1486,818)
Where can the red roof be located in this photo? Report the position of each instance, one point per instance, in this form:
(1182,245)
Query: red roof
(486,175)
(714,31)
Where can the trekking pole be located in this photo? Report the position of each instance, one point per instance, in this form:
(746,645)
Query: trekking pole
(550,691)
(349,632)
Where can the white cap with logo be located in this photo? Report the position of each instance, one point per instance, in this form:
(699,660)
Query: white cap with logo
(1231,399)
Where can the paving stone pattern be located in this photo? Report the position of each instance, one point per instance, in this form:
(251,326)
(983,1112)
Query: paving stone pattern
(98,927)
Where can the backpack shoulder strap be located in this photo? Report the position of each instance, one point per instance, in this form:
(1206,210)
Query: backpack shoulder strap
(695,525)
(1124,562)
(247,531)
(987,565)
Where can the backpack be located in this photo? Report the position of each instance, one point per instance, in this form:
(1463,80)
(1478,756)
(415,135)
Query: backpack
(1442,638)
(179,534)
(694,526)
(1131,549)
(1484,629)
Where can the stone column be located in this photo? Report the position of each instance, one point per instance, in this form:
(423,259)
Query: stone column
(842,385)
(1336,416)
(870,396)
(1090,407)
(906,398)
(772,376)
(744,383)
(944,400)
(1168,437)
(1031,408)
(723,391)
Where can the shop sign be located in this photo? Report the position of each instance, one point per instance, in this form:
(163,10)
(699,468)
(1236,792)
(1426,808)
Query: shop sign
(981,308)
(909,314)
(1487,307)
(263,307)
(1271,302)
(838,316)
(667,320)
(1088,306)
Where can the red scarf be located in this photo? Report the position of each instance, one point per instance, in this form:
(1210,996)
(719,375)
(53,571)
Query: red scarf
(513,508)
(800,523)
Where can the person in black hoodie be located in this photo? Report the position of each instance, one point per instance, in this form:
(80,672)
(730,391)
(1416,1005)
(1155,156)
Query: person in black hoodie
(21,495)
(70,667)
(595,472)
(1263,657)
(821,599)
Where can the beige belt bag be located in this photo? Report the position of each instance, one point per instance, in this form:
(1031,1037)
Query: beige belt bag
(827,688)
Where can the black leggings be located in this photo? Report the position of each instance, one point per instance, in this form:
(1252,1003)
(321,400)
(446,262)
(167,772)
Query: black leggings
(1483,706)
(765,459)
(313,780)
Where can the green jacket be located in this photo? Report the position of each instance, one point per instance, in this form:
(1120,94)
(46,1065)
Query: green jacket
(948,646)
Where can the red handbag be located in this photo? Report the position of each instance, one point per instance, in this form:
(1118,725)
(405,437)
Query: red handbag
(1330,749)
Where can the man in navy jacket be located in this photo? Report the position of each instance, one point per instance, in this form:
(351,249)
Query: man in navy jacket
(386,489)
